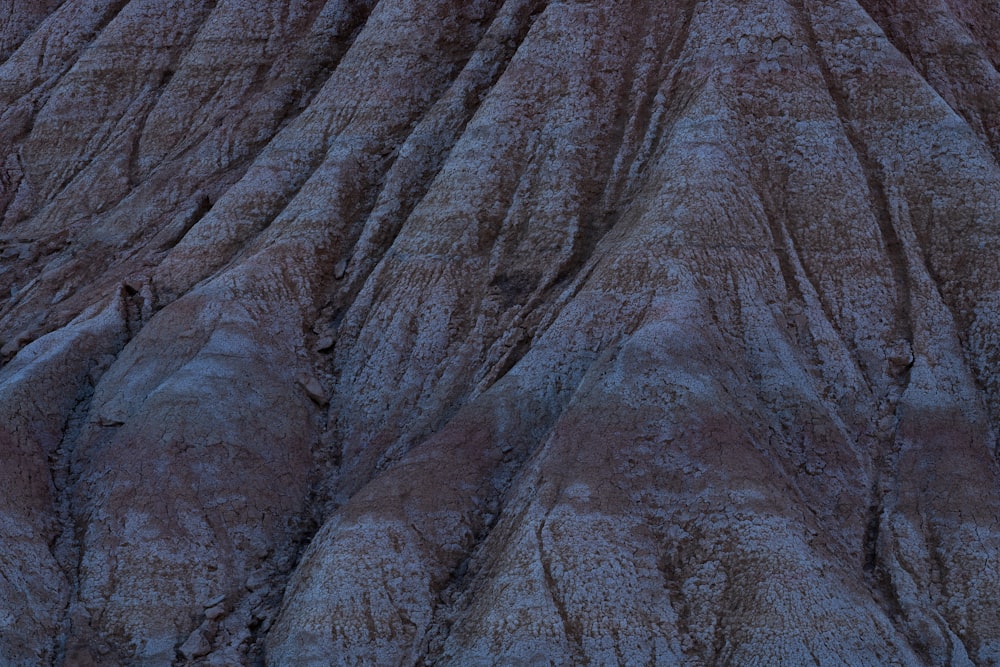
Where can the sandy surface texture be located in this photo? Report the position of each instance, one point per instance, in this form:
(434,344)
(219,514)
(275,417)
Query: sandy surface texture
(499,332)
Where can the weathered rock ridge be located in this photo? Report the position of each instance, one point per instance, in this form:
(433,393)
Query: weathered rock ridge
(514,332)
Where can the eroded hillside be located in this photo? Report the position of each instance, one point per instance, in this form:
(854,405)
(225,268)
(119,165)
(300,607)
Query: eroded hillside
(499,332)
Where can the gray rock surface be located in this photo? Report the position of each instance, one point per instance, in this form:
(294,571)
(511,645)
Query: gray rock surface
(504,332)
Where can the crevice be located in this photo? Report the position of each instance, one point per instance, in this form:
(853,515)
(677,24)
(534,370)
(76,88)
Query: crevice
(39,91)
(359,205)
(333,44)
(876,571)
(10,182)
(902,329)
(798,279)
(670,566)
(263,606)
(637,131)
(138,128)
(429,146)
(898,354)
(86,43)
(96,149)
(962,101)
(571,628)
(657,113)
(112,10)
(185,222)
(494,490)
(772,199)
(873,527)
(406,183)
(67,546)
(587,228)
(27,30)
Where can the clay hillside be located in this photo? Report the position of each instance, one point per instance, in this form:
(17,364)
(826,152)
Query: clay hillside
(499,332)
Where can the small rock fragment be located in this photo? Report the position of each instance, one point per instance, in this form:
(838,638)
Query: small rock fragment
(325,343)
(217,600)
(214,612)
(110,420)
(340,269)
(314,390)
(196,646)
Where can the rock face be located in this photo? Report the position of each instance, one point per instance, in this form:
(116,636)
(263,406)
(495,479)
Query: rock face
(499,332)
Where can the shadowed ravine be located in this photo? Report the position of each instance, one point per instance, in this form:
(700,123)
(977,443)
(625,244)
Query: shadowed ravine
(500,332)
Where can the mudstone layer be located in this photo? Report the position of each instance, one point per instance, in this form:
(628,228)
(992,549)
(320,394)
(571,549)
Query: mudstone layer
(503,332)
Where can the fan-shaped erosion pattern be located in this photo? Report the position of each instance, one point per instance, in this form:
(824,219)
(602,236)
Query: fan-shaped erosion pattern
(509,332)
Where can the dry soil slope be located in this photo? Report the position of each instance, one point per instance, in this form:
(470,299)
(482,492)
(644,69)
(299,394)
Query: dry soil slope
(500,332)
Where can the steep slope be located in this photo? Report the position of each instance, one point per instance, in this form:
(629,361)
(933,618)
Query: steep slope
(500,332)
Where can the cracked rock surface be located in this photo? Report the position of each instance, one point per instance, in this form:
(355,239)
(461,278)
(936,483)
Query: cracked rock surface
(513,332)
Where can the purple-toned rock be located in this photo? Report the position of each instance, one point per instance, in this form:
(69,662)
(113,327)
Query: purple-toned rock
(499,332)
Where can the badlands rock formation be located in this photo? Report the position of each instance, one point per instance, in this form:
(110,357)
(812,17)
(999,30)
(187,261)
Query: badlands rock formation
(515,332)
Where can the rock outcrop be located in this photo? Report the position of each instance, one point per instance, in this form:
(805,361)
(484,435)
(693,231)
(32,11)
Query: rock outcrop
(500,332)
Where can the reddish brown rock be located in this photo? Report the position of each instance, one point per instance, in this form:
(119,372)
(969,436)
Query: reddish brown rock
(500,332)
